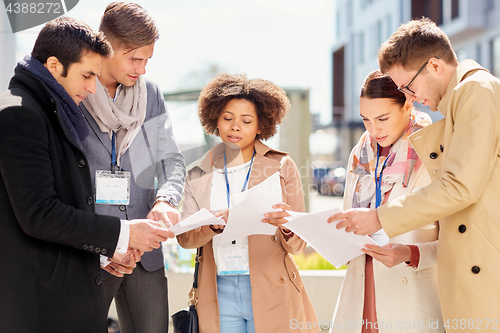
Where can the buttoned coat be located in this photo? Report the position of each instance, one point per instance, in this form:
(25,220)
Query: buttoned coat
(406,297)
(153,154)
(461,153)
(279,299)
(50,238)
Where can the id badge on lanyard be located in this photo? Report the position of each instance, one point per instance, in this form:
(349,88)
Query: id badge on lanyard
(233,260)
(112,187)
(380,237)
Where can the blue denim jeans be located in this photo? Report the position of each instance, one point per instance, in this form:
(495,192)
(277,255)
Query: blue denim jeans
(235,304)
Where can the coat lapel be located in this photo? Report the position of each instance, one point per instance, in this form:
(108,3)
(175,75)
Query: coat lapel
(101,136)
(429,145)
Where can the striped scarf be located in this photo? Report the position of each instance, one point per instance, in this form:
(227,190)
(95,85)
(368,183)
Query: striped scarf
(402,162)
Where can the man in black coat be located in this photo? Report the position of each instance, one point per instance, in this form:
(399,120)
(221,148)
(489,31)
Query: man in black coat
(50,236)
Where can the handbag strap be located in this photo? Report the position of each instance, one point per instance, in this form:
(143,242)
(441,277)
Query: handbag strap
(196,267)
(193,300)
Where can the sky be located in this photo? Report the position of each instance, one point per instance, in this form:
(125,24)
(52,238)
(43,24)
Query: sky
(286,41)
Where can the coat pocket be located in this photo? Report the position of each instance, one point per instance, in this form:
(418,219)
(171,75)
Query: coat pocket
(489,228)
(293,273)
(59,274)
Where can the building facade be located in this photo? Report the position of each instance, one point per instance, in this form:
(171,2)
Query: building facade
(473,27)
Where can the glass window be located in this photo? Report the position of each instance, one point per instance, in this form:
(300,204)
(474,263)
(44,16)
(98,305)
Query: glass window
(495,56)
(455,8)
(361,47)
(388,27)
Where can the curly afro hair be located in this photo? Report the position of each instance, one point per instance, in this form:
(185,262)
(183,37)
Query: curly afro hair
(270,101)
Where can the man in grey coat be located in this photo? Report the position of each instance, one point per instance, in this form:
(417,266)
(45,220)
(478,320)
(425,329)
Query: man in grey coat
(135,163)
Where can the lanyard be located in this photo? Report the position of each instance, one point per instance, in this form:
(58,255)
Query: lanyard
(227,180)
(378,181)
(113,154)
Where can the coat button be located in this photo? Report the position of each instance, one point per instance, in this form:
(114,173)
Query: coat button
(81,163)
(282,279)
(441,148)
(90,201)
(433,155)
(475,269)
(85,247)
(97,249)
(200,259)
(104,251)
(294,276)
(91,248)
(122,208)
(98,281)
(274,238)
(462,228)
(404,281)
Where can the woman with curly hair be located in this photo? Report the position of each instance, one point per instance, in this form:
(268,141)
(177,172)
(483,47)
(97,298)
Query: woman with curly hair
(262,290)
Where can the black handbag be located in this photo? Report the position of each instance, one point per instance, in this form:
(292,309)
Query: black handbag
(186,321)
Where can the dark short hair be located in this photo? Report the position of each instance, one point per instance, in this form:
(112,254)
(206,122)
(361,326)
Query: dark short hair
(128,25)
(413,44)
(378,85)
(271,102)
(68,39)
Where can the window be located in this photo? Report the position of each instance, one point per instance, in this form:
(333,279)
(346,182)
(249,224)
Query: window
(479,53)
(455,9)
(349,14)
(361,47)
(432,9)
(388,27)
(495,56)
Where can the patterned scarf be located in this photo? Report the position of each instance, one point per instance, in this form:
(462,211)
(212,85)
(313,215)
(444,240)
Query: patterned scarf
(72,117)
(402,161)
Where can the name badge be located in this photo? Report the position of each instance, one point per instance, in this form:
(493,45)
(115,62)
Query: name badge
(233,260)
(380,237)
(112,188)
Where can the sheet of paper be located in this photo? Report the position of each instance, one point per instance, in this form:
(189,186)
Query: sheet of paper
(198,219)
(248,209)
(336,246)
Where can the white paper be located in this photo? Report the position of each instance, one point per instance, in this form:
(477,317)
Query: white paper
(336,246)
(248,209)
(198,219)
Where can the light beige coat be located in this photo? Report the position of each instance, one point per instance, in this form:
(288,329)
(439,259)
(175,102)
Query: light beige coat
(406,298)
(279,299)
(461,153)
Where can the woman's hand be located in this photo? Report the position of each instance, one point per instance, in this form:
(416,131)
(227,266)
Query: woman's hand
(390,254)
(277,218)
(224,213)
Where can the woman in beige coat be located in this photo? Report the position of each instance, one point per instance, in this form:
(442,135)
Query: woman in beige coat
(242,111)
(387,294)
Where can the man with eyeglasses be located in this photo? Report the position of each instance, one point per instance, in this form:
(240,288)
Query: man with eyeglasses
(462,155)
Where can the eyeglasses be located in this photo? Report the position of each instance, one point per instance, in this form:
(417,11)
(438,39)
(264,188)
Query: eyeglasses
(406,89)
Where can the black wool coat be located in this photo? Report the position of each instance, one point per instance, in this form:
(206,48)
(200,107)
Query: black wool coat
(50,237)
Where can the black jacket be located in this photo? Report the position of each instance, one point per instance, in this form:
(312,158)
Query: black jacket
(50,239)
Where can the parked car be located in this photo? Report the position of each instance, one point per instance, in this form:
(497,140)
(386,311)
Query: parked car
(329,180)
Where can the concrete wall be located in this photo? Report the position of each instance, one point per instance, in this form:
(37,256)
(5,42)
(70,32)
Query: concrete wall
(322,287)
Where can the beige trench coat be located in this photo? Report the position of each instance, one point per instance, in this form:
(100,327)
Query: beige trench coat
(461,153)
(279,299)
(406,297)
